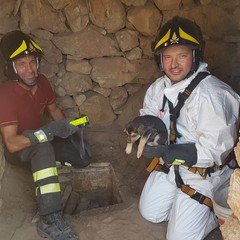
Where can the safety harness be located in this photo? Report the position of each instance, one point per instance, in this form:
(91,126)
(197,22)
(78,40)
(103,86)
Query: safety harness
(182,97)
(163,167)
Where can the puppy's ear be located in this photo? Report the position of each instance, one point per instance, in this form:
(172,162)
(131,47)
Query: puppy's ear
(141,129)
(129,128)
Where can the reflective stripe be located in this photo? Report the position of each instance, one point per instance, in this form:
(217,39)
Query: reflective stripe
(163,39)
(178,162)
(49,188)
(41,136)
(58,164)
(36,45)
(175,38)
(188,37)
(67,164)
(45,173)
(22,48)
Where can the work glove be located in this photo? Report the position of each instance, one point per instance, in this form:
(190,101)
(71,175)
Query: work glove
(173,153)
(60,128)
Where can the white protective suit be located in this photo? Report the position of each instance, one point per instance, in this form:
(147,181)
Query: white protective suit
(209,118)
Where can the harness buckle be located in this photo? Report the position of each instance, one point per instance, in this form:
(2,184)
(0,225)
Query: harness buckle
(198,197)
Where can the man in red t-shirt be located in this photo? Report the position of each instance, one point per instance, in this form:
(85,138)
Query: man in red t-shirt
(23,100)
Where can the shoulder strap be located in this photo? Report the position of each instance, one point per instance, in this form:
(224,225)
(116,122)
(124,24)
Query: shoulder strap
(182,97)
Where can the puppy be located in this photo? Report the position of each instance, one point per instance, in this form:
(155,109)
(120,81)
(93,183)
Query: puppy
(149,129)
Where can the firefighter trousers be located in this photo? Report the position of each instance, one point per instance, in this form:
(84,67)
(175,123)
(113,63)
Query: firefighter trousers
(45,176)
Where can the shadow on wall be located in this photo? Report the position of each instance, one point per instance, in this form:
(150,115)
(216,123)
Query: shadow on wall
(132,107)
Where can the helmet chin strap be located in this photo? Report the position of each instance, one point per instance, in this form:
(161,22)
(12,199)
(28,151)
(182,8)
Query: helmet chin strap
(19,79)
(195,64)
(33,83)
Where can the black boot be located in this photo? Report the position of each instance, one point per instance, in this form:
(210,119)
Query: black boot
(54,227)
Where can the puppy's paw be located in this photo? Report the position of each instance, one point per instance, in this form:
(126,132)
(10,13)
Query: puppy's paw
(128,149)
(139,153)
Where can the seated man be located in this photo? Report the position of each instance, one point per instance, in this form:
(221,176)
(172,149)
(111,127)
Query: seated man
(23,99)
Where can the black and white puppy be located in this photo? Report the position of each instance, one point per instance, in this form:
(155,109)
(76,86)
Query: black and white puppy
(149,129)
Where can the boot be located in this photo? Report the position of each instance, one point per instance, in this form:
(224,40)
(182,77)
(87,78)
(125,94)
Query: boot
(54,227)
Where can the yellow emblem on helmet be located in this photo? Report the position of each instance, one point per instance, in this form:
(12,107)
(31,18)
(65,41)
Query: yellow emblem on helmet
(32,48)
(174,39)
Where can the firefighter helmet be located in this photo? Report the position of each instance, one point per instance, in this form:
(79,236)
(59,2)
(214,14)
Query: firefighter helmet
(180,31)
(17,44)
(14,45)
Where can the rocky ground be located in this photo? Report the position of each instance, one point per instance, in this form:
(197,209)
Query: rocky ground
(113,222)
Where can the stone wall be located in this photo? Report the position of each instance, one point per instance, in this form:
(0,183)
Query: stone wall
(98,54)
(231,228)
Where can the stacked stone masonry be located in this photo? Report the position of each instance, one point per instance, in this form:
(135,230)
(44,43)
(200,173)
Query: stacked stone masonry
(231,228)
(97,54)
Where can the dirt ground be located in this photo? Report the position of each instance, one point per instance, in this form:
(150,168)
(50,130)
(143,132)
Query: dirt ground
(115,222)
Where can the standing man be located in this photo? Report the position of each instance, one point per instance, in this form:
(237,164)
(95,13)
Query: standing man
(202,115)
(23,99)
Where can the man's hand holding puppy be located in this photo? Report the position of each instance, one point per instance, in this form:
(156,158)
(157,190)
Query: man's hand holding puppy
(173,154)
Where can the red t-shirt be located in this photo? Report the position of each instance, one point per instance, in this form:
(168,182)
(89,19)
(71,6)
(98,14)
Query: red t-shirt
(19,107)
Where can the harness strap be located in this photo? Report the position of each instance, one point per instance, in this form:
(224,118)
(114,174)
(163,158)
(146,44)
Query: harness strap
(155,165)
(202,199)
(173,124)
(231,156)
(203,172)
(182,97)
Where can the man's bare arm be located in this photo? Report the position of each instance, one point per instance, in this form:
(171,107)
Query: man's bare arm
(55,112)
(12,140)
